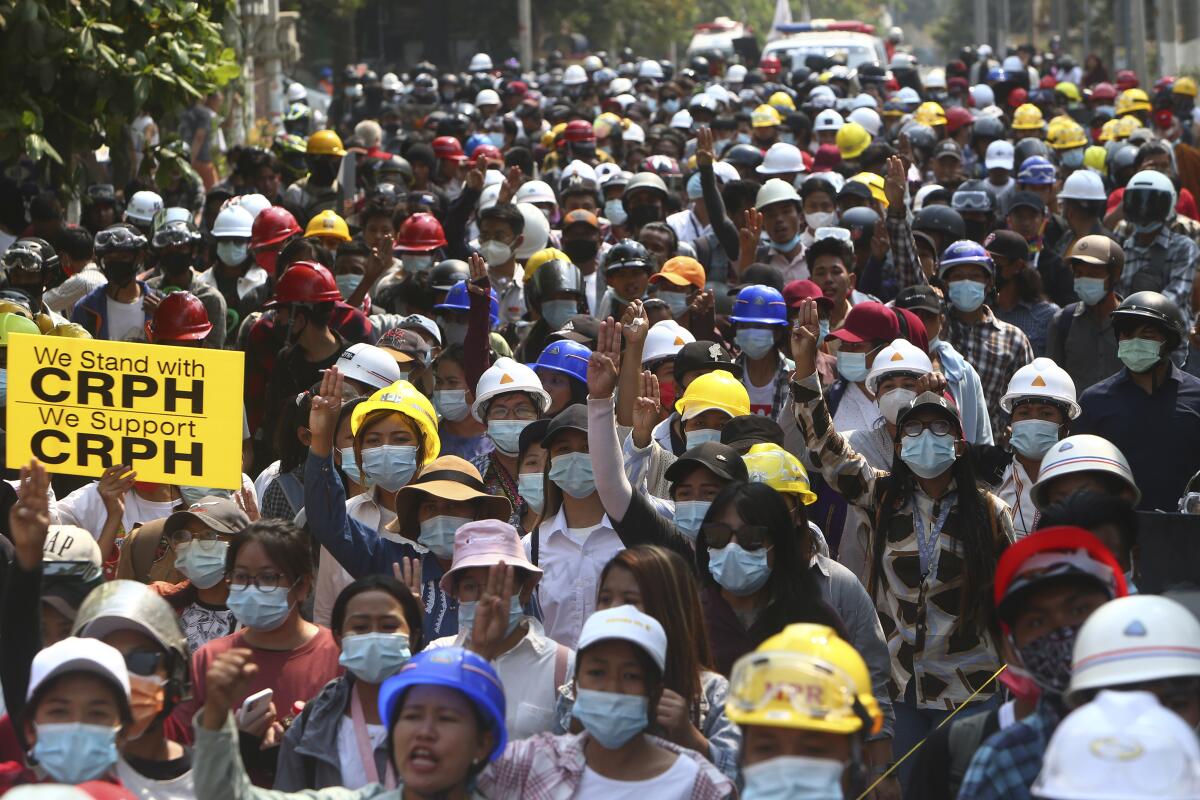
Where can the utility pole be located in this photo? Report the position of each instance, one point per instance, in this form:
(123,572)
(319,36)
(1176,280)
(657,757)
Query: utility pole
(981,22)
(525,31)
(1137,38)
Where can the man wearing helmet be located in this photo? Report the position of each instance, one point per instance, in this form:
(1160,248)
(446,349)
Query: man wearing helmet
(174,243)
(1156,258)
(115,310)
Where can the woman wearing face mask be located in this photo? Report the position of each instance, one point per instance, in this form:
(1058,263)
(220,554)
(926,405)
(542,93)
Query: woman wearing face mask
(339,738)
(893,381)
(1041,400)
(442,714)
(930,503)
(618,686)
(803,700)
(531,480)
(562,369)
(760,318)
(235,274)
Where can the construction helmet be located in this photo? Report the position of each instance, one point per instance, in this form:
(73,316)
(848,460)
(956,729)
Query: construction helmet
(369,365)
(1185,86)
(804,677)
(718,390)
(852,140)
(1095,159)
(1104,91)
(899,357)
(1028,117)
(1041,379)
(930,113)
(328,225)
(1132,100)
(759,305)
(1069,135)
(324,143)
(664,340)
(566,358)
(420,233)
(1125,127)
(403,398)
(459,299)
(70,330)
(767,462)
(507,376)
(536,235)
(1083,184)
(765,116)
(1069,91)
(875,184)
(180,317)
(1082,453)
(448,148)
(776,191)
(143,206)
(541,257)
(233,222)
(273,226)
(11,323)
(1108,131)
(305,282)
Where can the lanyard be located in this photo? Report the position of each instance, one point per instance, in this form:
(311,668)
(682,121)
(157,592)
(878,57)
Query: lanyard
(927,545)
(365,751)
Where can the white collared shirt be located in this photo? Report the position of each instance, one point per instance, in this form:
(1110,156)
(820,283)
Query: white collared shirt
(567,592)
(1014,490)
(255,276)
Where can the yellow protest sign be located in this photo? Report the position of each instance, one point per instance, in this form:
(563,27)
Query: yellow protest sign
(81,405)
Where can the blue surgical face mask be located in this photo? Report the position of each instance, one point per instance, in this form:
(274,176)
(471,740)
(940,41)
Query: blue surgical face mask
(506,434)
(677,302)
(1032,438)
(1139,355)
(1073,159)
(967,296)
(74,752)
(437,533)
(611,718)
(532,487)
(671,105)
(202,563)
(346,284)
(755,342)
(785,247)
(572,472)
(349,465)
(700,436)
(614,211)
(790,777)
(258,609)
(456,332)
(689,514)
(232,253)
(467,609)
(557,312)
(738,570)
(928,455)
(194,494)
(451,404)
(852,366)
(822,330)
(389,466)
(374,657)
(1091,290)
(742,138)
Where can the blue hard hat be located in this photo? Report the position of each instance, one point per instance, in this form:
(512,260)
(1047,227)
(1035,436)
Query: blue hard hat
(1036,171)
(454,668)
(760,305)
(569,358)
(458,299)
(475,140)
(995,75)
(964,251)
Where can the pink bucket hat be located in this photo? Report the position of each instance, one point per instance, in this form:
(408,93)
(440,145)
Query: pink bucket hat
(484,543)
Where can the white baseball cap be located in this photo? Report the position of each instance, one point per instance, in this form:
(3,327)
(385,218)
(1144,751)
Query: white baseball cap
(999,155)
(422,323)
(628,624)
(71,543)
(74,654)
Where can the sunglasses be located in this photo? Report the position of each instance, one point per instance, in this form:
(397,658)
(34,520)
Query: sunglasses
(144,662)
(750,537)
(914,427)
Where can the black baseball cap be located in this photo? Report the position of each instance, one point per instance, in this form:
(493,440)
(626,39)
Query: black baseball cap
(703,355)
(742,433)
(1026,199)
(720,459)
(1009,244)
(533,433)
(572,418)
(920,297)
(582,328)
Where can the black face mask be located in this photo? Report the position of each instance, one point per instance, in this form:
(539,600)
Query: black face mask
(581,251)
(975,230)
(643,214)
(322,171)
(119,273)
(175,263)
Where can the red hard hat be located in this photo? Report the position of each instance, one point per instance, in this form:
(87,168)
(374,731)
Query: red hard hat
(488,152)
(1127,79)
(180,317)
(421,233)
(1163,118)
(272,226)
(449,148)
(580,130)
(1047,82)
(957,118)
(1104,91)
(305,282)
(770,65)
(1017,97)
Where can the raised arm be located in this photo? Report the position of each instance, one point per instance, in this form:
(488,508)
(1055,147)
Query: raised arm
(634,326)
(904,249)
(475,345)
(612,486)
(714,204)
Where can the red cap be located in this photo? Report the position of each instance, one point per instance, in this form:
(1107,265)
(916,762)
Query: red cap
(956,118)
(1047,82)
(1163,118)
(796,292)
(867,322)
(911,328)
(828,158)
(449,148)
(579,130)
(1017,97)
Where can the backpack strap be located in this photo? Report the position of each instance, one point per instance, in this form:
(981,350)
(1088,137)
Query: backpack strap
(1063,323)
(293,490)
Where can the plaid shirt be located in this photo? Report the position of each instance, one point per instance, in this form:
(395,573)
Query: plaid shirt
(904,251)
(1167,265)
(548,767)
(1033,319)
(1006,765)
(996,350)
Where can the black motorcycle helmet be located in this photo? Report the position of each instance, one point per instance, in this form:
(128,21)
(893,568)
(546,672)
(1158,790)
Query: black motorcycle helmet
(1154,308)
(446,273)
(942,222)
(627,253)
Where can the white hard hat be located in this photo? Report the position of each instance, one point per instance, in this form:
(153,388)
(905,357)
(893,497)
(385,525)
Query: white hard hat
(983,95)
(704,101)
(507,376)
(492,177)
(1082,453)
(624,100)
(574,75)
(868,118)
(487,97)
(720,94)
(620,86)
(491,193)
(682,119)
(781,158)
(634,133)
(908,95)
(1041,378)
(1135,639)
(369,364)
(254,203)
(480,62)
(1013,64)
(923,192)
(580,168)
(391,82)
(863,100)
(592,63)
(296,92)
(536,233)
(1121,746)
(725,171)
(828,120)
(899,356)
(234,222)
(735,74)
(665,340)
(535,192)
(936,79)
(775,191)
(650,69)
(143,206)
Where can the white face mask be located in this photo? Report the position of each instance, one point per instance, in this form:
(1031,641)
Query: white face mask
(494,252)
(893,402)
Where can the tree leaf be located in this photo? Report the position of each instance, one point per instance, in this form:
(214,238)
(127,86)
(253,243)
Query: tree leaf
(108,27)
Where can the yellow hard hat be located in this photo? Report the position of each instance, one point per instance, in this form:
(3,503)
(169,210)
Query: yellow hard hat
(1107,130)
(549,136)
(541,257)
(328,224)
(930,113)
(1125,127)
(404,398)
(1132,100)
(714,390)
(1069,91)
(11,323)
(70,330)
(769,463)
(852,140)
(1028,117)
(9,307)
(325,143)
(875,183)
(1068,136)
(804,677)
(780,101)
(605,124)
(1095,157)
(764,117)
(1185,85)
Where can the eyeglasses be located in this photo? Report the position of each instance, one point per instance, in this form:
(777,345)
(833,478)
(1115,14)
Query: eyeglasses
(525,412)
(184,536)
(267,581)
(1190,504)
(750,537)
(914,427)
(144,662)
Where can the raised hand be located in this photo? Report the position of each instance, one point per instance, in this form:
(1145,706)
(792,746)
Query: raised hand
(475,176)
(804,338)
(647,408)
(748,238)
(408,571)
(29,518)
(491,613)
(933,382)
(115,482)
(512,182)
(224,683)
(894,184)
(479,282)
(881,242)
(323,414)
(634,323)
(705,154)
(604,365)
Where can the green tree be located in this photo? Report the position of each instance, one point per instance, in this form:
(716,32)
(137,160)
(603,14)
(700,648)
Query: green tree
(77,71)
